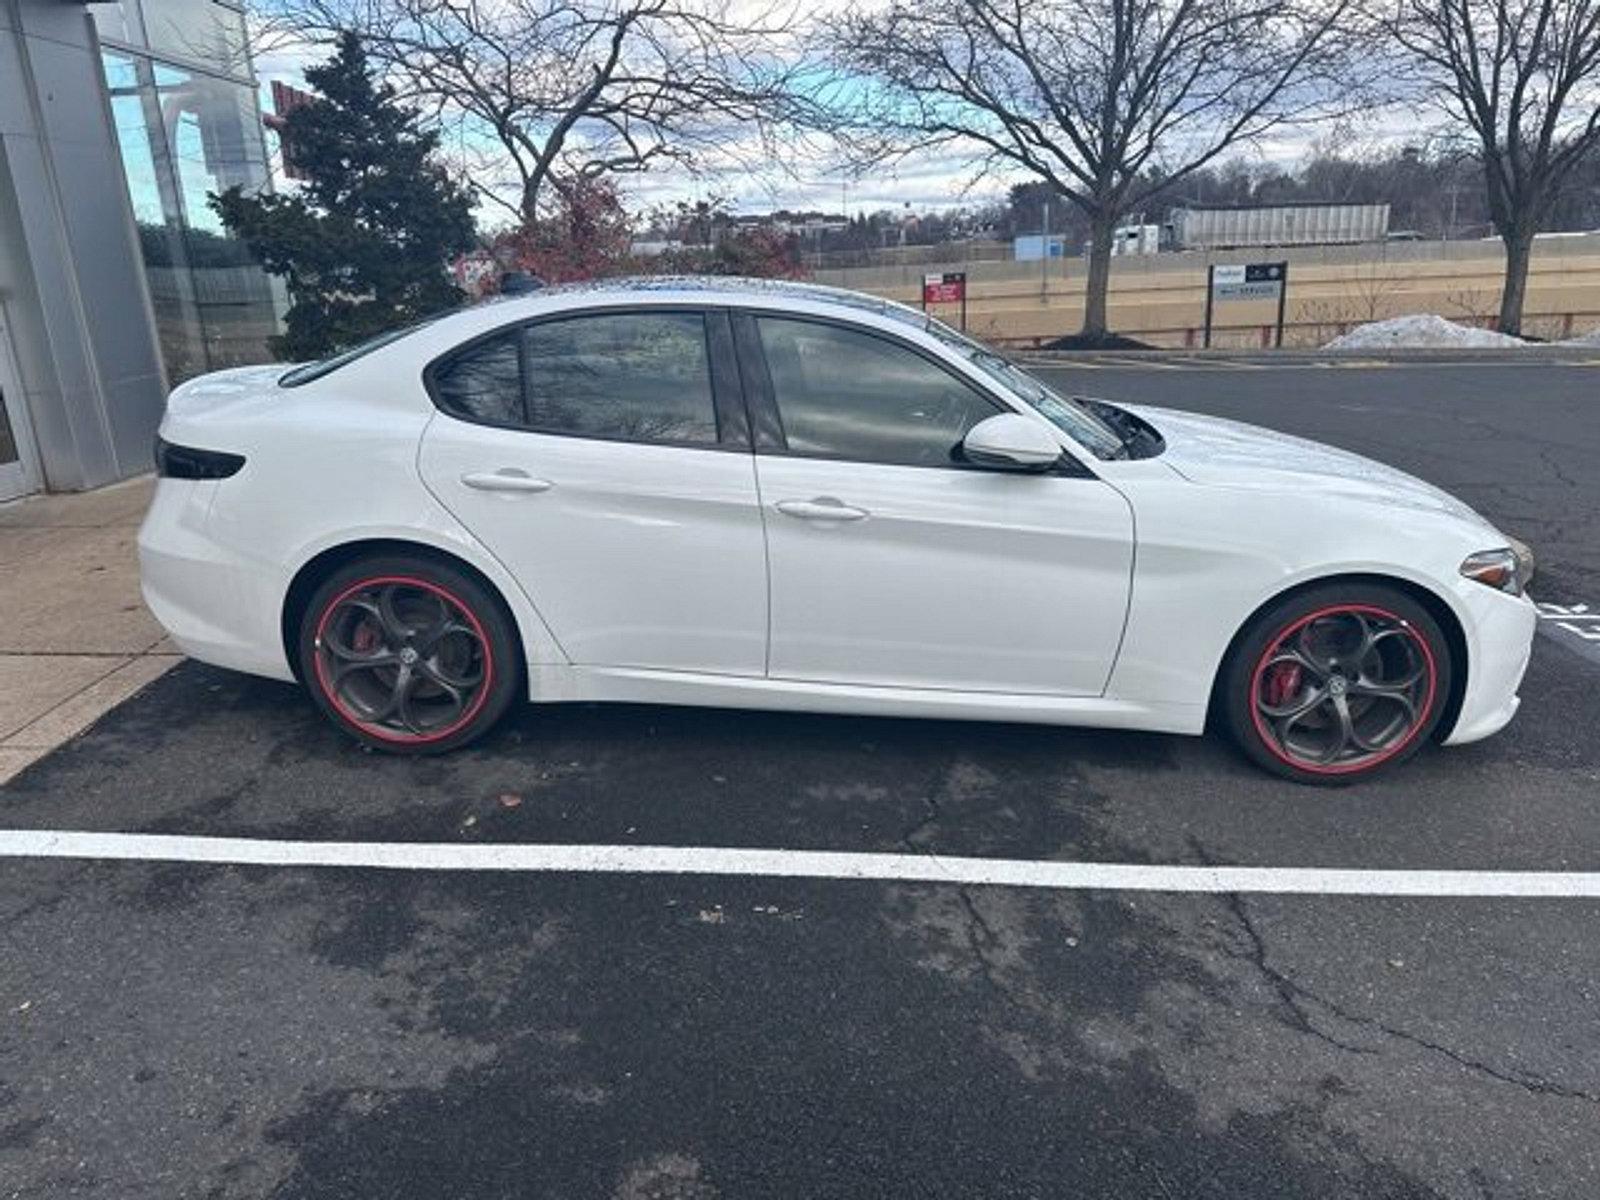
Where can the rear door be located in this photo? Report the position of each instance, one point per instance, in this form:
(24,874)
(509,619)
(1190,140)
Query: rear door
(892,562)
(604,458)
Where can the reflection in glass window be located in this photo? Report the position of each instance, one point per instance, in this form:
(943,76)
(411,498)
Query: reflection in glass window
(117,20)
(183,136)
(155,213)
(638,377)
(483,383)
(8,441)
(201,30)
(850,395)
(214,136)
(133,139)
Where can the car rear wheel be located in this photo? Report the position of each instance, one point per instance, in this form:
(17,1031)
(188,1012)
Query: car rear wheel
(1337,682)
(408,654)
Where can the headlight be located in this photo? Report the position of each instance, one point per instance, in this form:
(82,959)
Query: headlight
(1504,569)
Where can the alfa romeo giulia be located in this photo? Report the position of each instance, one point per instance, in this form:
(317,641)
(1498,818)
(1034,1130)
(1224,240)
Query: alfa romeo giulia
(773,495)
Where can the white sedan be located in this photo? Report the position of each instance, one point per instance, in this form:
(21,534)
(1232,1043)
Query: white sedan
(762,495)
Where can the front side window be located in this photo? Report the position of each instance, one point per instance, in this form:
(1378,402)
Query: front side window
(842,393)
(1070,416)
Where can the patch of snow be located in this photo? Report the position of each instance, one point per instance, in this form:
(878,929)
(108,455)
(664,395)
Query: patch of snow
(1419,331)
(1592,338)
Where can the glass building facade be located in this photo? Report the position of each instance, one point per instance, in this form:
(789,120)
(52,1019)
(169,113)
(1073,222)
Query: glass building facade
(183,106)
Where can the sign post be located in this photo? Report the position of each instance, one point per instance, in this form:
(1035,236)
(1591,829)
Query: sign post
(1247,281)
(1211,297)
(1283,300)
(946,288)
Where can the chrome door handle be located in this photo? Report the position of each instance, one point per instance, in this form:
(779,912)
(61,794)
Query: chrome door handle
(823,508)
(506,480)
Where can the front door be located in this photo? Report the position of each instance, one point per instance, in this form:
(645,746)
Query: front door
(894,564)
(17,475)
(602,459)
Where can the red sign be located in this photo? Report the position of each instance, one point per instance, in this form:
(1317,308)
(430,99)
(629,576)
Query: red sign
(949,288)
(285,100)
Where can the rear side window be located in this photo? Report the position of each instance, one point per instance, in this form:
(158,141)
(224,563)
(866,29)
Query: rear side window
(636,377)
(483,383)
(850,395)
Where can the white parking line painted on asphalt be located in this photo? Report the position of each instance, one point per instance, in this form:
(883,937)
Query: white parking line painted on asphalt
(1576,626)
(792,864)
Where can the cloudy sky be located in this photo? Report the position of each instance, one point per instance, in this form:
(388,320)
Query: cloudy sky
(931,182)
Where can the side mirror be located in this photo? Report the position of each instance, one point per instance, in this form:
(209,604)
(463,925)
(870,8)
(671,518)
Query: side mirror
(1011,442)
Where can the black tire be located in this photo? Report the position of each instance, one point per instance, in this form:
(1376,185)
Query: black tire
(1300,710)
(409,654)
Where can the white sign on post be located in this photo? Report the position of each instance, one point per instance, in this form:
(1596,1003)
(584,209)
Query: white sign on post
(1249,281)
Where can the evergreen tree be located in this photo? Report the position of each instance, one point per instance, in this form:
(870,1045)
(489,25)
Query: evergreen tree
(363,243)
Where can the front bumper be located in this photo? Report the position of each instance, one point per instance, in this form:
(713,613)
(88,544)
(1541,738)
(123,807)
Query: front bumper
(1499,630)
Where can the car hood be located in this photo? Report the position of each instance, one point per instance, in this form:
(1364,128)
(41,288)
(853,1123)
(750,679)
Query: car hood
(1221,453)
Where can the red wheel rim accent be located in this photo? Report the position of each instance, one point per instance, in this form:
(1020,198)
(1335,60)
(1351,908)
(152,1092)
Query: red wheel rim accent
(1321,674)
(363,724)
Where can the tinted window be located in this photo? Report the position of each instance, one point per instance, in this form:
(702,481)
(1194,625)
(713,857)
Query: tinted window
(641,377)
(844,394)
(483,382)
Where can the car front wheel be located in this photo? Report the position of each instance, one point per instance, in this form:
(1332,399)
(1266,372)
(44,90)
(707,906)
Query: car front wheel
(1334,683)
(408,654)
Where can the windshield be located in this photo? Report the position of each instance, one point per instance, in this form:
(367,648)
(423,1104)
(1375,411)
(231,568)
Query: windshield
(1065,413)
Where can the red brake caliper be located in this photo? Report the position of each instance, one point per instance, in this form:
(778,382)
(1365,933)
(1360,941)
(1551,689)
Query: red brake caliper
(1282,683)
(366,639)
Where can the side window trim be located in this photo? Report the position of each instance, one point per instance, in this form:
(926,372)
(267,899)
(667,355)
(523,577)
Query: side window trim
(727,391)
(767,420)
(730,437)
(766,423)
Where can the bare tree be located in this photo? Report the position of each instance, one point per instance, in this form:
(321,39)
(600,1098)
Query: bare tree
(1524,77)
(557,89)
(1106,101)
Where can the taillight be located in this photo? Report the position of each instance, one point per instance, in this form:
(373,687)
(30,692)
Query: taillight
(187,462)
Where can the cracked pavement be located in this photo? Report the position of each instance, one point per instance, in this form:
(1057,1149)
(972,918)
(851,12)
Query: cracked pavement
(200,1031)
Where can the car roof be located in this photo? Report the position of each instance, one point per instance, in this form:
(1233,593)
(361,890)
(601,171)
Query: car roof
(446,331)
(702,289)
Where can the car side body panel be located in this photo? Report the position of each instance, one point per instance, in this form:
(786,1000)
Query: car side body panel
(637,555)
(323,469)
(1209,557)
(968,580)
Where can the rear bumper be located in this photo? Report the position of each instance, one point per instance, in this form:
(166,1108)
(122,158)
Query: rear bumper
(1500,631)
(200,592)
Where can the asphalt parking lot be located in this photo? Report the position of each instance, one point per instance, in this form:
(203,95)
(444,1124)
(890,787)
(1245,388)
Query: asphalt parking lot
(180,1029)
